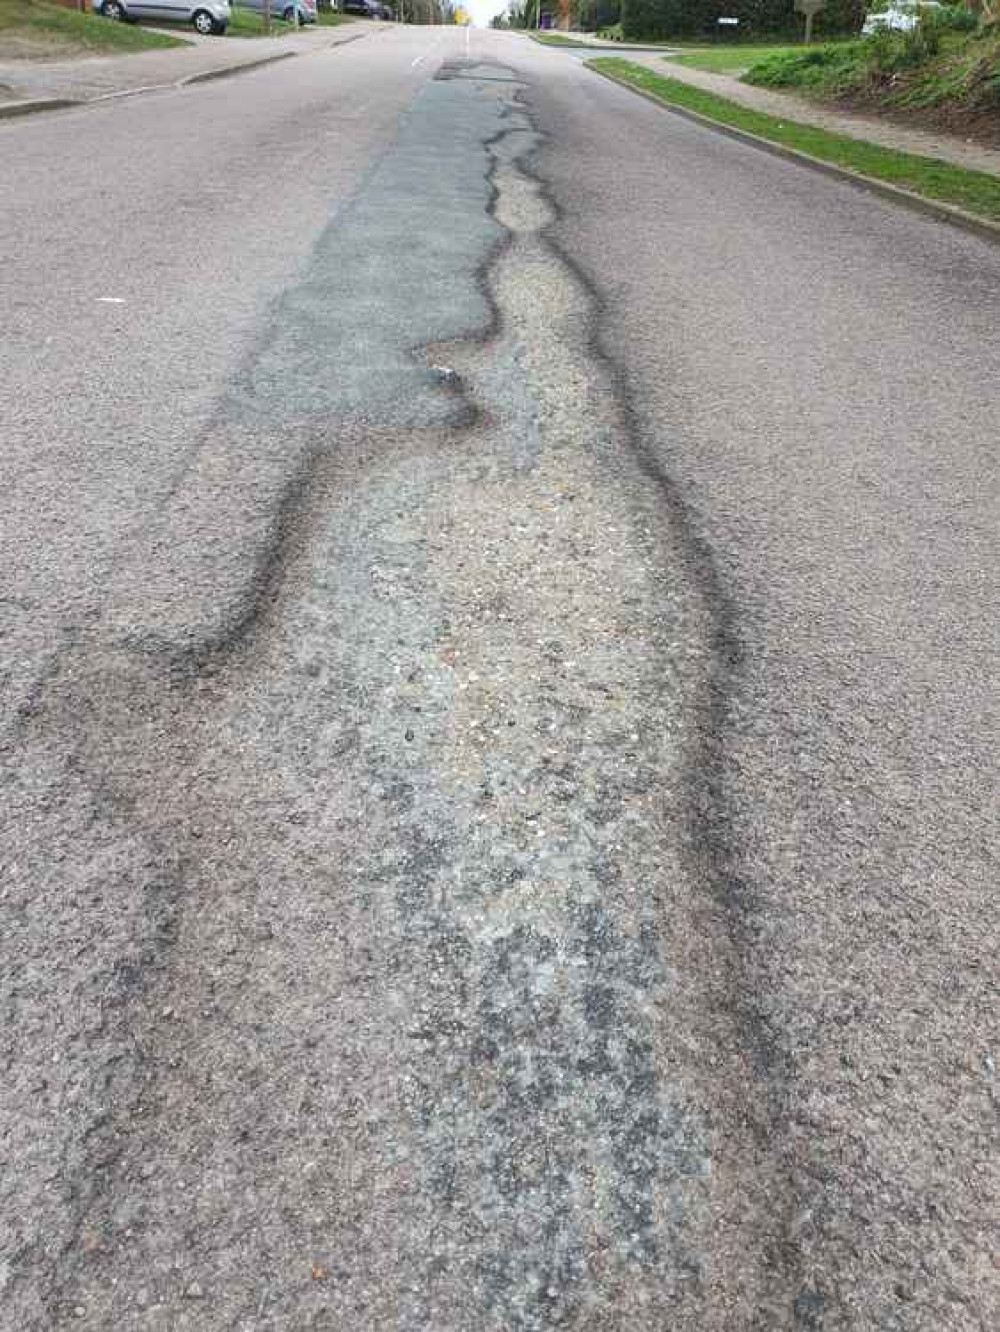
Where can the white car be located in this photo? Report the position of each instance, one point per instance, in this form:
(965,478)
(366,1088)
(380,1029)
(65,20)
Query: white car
(899,16)
(205,15)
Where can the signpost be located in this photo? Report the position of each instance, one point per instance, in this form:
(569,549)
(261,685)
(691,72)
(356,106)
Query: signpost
(810,8)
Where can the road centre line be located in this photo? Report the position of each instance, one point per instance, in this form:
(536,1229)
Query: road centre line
(433,48)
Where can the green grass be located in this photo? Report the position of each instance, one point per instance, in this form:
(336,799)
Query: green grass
(242,23)
(249,23)
(895,71)
(614,34)
(726,59)
(581,43)
(30,28)
(556,39)
(826,67)
(975,191)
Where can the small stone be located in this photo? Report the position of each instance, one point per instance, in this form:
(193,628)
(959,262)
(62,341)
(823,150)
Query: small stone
(409,735)
(79,1311)
(194,1291)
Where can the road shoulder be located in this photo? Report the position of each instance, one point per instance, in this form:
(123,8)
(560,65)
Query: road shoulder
(871,129)
(970,199)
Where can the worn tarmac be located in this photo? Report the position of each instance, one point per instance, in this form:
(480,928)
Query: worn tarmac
(500,732)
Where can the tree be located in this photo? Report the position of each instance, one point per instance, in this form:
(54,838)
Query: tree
(648,19)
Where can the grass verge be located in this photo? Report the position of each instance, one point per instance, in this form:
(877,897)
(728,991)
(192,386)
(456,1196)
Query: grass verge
(30,30)
(249,23)
(582,44)
(727,59)
(976,192)
(615,34)
(555,39)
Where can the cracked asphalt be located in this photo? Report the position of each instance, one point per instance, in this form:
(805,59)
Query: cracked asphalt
(500,732)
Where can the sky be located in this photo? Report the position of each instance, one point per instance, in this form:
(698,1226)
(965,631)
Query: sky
(483,10)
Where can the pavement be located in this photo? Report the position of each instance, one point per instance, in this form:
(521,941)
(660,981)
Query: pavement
(500,731)
(86,78)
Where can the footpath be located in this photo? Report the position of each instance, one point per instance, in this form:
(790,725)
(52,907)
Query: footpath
(27,85)
(870,129)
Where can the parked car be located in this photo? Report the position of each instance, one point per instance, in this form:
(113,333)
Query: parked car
(899,16)
(205,15)
(284,9)
(372,9)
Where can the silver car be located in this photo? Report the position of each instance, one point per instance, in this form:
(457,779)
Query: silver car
(285,9)
(206,15)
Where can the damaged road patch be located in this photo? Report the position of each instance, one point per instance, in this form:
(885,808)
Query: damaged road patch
(428,1028)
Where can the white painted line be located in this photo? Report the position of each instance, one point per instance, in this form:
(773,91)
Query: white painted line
(111,300)
(433,48)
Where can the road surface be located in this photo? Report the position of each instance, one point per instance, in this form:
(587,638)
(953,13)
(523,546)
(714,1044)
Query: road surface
(500,736)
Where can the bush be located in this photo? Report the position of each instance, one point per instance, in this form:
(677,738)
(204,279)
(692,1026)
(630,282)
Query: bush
(651,19)
(842,16)
(951,18)
(593,15)
(829,67)
(891,52)
(982,87)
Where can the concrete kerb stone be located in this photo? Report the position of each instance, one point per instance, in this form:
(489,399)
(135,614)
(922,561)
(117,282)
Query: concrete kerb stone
(943,212)
(225,71)
(9,110)
(609,48)
(125,92)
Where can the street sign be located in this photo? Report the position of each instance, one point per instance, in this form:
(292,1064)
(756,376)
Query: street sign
(810,8)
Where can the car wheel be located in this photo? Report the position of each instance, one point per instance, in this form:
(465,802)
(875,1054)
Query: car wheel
(203,22)
(113,10)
